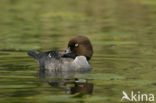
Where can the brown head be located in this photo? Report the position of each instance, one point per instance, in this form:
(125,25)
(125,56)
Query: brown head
(80,45)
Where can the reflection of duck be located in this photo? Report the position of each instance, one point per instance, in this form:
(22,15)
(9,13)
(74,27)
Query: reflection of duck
(63,79)
(81,86)
(74,58)
(78,86)
(43,73)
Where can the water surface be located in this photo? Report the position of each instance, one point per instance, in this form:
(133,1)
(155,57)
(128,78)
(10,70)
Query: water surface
(122,33)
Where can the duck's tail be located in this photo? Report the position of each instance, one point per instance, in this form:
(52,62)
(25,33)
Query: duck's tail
(33,54)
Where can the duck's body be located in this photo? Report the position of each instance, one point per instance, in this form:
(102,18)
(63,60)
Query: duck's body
(80,63)
(75,58)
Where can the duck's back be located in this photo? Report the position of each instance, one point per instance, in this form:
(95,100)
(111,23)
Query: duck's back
(53,61)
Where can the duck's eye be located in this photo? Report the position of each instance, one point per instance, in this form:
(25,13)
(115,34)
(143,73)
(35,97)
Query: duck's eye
(76,45)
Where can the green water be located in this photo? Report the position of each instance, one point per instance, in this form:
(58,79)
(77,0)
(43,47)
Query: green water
(123,34)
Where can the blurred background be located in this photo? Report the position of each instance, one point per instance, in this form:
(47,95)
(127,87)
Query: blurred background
(123,34)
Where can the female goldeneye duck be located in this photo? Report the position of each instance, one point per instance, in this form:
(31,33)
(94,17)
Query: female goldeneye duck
(74,58)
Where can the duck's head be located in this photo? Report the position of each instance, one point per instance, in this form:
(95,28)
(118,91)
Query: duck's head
(81,46)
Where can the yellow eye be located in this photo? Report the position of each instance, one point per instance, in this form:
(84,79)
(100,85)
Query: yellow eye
(76,45)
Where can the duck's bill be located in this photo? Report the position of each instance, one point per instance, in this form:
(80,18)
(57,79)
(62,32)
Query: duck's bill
(68,54)
(67,51)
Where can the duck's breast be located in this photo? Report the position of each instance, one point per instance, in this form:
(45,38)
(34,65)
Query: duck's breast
(80,63)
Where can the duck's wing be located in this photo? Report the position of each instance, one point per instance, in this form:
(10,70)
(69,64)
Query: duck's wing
(67,59)
(69,55)
(38,55)
(53,54)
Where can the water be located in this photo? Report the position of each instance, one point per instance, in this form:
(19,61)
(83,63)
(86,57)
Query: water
(122,33)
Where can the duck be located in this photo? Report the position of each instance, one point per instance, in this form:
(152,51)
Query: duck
(75,58)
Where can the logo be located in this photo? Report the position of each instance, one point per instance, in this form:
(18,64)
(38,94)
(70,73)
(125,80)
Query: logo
(137,97)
